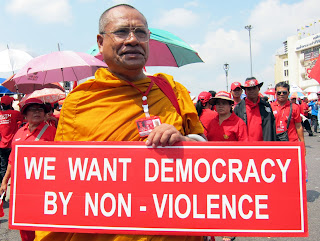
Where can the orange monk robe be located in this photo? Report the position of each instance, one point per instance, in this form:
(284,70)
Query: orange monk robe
(105,109)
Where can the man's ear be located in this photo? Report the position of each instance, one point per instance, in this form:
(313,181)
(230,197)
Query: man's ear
(100,42)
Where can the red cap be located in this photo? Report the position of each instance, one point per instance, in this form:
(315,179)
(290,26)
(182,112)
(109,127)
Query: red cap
(204,97)
(32,101)
(251,83)
(6,100)
(235,85)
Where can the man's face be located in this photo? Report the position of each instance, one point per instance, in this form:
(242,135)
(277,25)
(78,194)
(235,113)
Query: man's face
(282,94)
(236,93)
(252,93)
(123,54)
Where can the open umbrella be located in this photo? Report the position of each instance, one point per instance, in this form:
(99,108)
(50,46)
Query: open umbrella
(27,88)
(312,89)
(270,91)
(13,59)
(297,94)
(58,67)
(165,49)
(4,90)
(47,95)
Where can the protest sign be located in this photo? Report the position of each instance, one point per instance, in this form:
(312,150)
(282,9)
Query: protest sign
(240,189)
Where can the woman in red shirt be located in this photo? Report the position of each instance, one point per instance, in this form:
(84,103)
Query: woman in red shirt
(226,126)
(34,110)
(203,107)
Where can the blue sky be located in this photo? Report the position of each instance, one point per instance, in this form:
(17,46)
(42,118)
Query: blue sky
(214,28)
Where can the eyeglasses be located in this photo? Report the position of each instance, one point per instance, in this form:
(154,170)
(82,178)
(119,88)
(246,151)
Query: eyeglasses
(282,92)
(33,109)
(141,33)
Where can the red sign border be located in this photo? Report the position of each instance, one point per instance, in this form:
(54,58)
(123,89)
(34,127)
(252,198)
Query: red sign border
(175,231)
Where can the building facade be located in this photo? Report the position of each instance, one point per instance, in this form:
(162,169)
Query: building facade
(296,59)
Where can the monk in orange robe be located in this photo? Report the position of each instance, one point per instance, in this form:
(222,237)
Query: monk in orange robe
(106,108)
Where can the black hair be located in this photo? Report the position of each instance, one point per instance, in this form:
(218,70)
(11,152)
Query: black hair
(199,107)
(213,93)
(55,105)
(282,84)
(6,107)
(49,107)
(250,78)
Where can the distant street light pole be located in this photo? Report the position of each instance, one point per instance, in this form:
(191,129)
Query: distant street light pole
(249,27)
(226,68)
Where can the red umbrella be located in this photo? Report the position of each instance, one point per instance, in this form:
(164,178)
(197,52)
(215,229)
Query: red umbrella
(47,95)
(315,71)
(27,88)
(271,91)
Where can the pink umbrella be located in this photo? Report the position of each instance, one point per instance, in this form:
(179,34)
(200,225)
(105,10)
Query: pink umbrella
(47,95)
(27,88)
(271,91)
(57,67)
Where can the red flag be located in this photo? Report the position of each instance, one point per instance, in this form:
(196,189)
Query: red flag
(315,72)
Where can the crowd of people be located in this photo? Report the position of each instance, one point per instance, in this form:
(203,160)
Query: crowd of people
(121,99)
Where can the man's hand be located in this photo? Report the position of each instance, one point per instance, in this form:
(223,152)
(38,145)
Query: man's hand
(165,135)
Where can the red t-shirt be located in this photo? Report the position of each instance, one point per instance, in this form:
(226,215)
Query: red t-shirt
(206,116)
(231,129)
(24,134)
(9,124)
(304,106)
(254,121)
(281,114)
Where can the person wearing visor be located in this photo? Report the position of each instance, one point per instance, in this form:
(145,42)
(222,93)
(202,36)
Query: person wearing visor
(236,92)
(256,113)
(204,109)
(34,111)
(226,126)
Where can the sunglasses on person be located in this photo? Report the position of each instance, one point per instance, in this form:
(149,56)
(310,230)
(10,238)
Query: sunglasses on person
(282,92)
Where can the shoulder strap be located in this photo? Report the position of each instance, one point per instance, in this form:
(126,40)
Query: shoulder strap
(289,118)
(41,132)
(166,88)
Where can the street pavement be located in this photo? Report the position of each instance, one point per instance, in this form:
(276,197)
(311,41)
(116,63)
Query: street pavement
(313,193)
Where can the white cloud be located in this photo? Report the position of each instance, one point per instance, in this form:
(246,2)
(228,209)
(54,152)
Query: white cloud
(178,17)
(191,4)
(273,20)
(221,46)
(42,10)
(219,23)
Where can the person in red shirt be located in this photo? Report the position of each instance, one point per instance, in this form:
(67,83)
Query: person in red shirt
(256,113)
(236,92)
(203,107)
(34,110)
(226,126)
(281,110)
(304,109)
(9,123)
